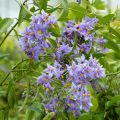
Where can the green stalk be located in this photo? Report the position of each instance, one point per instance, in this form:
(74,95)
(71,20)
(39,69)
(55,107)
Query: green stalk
(27,96)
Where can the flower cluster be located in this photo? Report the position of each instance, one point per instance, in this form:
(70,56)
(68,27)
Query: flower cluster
(78,75)
(82,74)
(80,99)
(47,76)
(34,38)
(74,73)
(85,70)
(76,32)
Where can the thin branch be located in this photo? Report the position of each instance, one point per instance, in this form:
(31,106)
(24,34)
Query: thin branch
(11,71)
(8,34)
(111,74)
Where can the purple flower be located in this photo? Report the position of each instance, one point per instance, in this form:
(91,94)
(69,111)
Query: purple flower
(45,80)
(33,41)
(100,45)
(85,48)
(101,41)
(78,1)
(55,70)
(51,106)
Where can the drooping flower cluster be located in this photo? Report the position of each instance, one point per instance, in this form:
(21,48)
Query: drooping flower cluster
(34,38)
(82,74)
(78,76)
(71,69)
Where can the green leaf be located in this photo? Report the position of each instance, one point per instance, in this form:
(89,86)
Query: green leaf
(65,6)
(95,104)
(99,4)
(106,19)
(49,116)
(42,4)
(89,87)
(117,111)
(4,55)
(52,9)
(111,44)
(62,17)
(113,31)
(98,116)
(24,14)
(76,11)
(53,43)
(2,115)
(55,31)
(0,19)
(117,13)
(114,100)
(85,116)
(30,114)
(5,24)
(11,94)
(98,55)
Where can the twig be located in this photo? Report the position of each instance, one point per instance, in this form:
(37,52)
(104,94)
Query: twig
(111,74)
(8,33)
(11,71)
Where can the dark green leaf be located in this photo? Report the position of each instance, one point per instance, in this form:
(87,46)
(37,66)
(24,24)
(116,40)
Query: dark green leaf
(114,100)
(117,111)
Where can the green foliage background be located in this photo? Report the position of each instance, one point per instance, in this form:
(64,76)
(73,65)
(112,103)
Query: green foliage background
(20,97)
